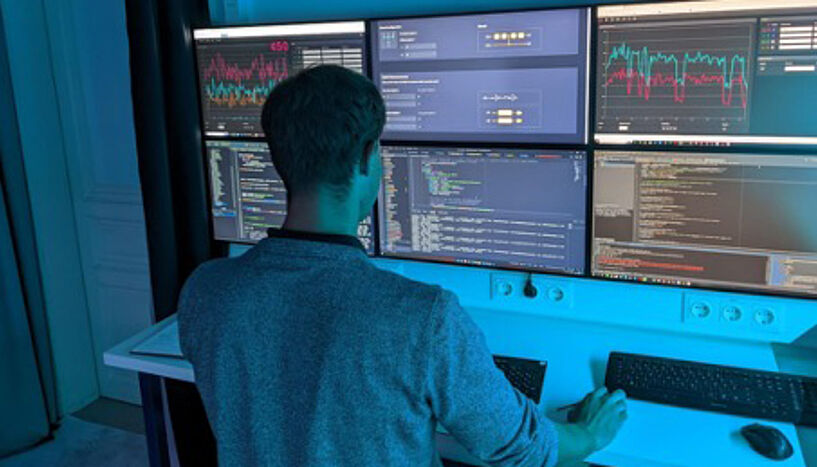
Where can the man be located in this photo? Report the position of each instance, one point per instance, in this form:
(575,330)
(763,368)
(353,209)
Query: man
(306,354)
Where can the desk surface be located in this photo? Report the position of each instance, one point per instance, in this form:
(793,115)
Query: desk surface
(169,367)
(654,435)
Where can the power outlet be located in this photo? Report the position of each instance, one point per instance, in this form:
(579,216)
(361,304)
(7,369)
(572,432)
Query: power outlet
(766,318)
(509,289)
(700,310)
(729,313)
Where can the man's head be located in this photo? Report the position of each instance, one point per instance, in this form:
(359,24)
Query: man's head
(323,126)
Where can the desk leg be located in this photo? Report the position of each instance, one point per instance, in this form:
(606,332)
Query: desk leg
(150,387)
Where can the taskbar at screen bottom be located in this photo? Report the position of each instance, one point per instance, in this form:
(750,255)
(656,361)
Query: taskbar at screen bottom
(453,261)
(799,292)
(701,140)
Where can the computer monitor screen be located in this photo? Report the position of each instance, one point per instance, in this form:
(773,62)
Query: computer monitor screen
(500,78)
(508,208)
(707,72)
(248,197)
(734,221)
(238,67)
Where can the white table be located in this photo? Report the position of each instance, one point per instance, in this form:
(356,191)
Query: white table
(654,436)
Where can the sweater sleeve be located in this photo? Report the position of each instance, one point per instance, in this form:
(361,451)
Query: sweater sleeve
(474,401)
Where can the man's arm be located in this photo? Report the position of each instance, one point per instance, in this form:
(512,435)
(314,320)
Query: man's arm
(575,443)
(474,401)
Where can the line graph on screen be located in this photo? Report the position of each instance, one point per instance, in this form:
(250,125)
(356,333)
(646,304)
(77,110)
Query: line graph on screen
(677,74)
(236,78)
(231,84)
(244,77)
(638,74)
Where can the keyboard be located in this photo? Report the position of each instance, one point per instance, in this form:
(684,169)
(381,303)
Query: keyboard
(525,375)
(738,391)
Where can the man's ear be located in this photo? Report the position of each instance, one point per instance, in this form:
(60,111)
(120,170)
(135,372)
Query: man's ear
(368,148)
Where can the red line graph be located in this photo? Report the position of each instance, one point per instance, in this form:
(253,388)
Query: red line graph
(634,79)
(260,68)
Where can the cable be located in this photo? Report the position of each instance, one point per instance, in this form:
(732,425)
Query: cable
(530,290)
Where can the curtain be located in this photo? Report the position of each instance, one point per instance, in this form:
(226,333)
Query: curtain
(25,420)
(27,391)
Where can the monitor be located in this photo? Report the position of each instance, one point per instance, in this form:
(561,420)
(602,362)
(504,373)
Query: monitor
(719,72)
(247,195)
(505,208)
(732,221)
(496,78)
(239,66)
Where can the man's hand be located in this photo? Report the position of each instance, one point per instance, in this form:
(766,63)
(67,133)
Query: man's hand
(602,414)
(592,425)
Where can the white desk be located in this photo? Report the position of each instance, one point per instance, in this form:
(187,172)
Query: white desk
(654,436)
(167,367)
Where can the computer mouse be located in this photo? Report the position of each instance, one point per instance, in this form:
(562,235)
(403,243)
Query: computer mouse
(767,441)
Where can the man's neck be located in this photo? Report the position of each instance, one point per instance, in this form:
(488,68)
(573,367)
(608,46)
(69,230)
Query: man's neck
(321,212)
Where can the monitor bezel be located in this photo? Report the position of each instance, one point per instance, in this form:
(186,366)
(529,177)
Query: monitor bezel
(245,241)
(752,150)
(659,144)
(196,63)
(590,12)
(501,267)
(204,138)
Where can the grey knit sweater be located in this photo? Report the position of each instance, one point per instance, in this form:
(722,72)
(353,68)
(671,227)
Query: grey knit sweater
(306,354)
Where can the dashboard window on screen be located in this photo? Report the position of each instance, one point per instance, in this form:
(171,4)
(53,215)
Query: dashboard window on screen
(238,67)
(501,78)
(736,221)
(248,196)
(510,208)
(714,72)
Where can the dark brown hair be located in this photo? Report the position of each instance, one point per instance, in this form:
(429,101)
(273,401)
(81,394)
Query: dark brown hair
(318,124)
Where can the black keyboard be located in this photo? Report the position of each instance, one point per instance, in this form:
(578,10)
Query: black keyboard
(525,375)
(739,391)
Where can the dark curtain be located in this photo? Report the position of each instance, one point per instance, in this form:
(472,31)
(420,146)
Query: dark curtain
(27,391)
(171,170)
(22,403)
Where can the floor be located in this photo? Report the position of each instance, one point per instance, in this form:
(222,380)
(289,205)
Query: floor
(115,414)
(106,433)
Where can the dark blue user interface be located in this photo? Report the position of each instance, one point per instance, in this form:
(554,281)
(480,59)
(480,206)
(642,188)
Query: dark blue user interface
(511,208)
(508,77)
